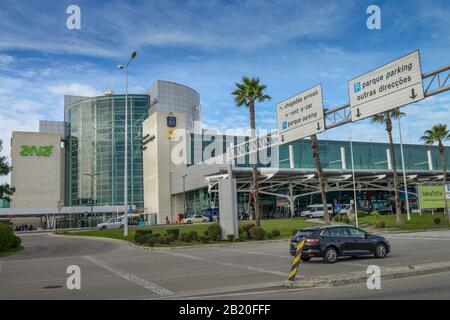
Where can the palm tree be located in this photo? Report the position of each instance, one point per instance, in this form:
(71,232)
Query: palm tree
(439,133)
(386,118)
(316,157)
(247,93)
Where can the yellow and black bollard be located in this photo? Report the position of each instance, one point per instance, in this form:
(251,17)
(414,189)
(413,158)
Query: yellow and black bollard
(296,263)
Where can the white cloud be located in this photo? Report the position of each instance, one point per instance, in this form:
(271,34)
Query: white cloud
(5,60)
(75,89)
(107,27)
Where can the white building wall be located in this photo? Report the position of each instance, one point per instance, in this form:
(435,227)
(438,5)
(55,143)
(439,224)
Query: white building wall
(166,96)
(39,180)
(159,165)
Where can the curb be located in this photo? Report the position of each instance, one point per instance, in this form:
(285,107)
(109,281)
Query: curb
(131,244)
(360,277)
(213,245)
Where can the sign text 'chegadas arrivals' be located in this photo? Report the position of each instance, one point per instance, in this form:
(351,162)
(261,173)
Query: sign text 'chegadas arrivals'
(391,86)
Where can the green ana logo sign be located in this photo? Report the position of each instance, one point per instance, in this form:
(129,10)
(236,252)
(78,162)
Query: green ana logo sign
(29,151)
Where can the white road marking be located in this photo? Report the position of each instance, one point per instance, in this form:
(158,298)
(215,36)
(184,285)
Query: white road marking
(257,253)
(151,286)
(354,264)
(228,264)
(225,290)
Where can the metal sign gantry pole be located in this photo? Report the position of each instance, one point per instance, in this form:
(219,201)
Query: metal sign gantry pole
(340,115)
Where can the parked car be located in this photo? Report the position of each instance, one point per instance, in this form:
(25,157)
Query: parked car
(345,208)
(114,223)
(195,219)
(385,211)
(315,211)
(332,242)
(211,213)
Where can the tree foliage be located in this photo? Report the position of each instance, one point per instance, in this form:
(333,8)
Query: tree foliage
(5,189)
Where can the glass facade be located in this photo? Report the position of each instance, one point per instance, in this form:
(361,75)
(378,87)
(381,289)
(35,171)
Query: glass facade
(367,155)
(95,150)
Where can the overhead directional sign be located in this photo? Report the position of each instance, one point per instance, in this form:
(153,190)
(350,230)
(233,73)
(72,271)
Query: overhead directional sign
(391,86)
(301,116)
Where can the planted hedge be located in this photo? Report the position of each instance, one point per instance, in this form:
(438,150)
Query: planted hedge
(7,238)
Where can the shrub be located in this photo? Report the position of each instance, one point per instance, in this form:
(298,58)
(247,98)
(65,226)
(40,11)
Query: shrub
(230,237)
(345,220)
(194,235)
(241,237)
(149,240)
(336,218)
(276,233)
(269,236)
(375,214)
(437,220)
(247,227)
(241,230)
(215,232)
(183,236)
(16,242)
(175,232)
(257,233)
(206,233)
(204,239)
(163,240)
(381,225)
(187,237)
(361,214)
(138,239)
(141,235)
(171,237)
(6,237)
(246,235)
(143,232)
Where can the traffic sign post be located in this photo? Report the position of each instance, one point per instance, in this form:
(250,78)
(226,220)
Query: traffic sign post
(301,116)
(391,86)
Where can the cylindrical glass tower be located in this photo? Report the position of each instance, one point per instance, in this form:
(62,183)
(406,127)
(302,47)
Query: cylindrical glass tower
(95,149)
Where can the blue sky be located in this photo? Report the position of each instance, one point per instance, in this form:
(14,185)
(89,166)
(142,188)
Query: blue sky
(209,45)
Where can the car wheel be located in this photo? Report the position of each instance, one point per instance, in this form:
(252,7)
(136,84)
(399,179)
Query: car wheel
(380,251)
(331,255)
(189,222)
(309,216)
(306,259)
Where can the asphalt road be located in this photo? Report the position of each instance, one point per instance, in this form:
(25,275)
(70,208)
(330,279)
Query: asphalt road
(115,270)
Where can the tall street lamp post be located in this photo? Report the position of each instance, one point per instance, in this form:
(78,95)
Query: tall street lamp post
(184,194)
(125,187)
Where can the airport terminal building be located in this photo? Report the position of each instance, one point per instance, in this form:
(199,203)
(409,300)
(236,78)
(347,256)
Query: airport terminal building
(77,165)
